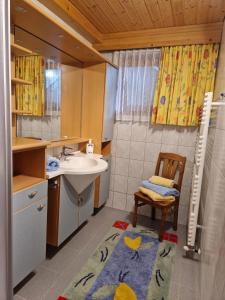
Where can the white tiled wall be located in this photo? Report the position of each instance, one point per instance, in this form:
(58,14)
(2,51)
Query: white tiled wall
(39,127)
(134,154)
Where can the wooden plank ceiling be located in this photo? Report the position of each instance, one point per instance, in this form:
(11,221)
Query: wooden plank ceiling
(127,24)
(113,16)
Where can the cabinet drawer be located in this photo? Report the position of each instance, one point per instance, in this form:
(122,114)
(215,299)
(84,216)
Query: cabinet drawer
(25,197)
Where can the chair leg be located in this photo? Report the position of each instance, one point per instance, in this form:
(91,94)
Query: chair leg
(162,223)
(153,213)
(135,213)
(175,216)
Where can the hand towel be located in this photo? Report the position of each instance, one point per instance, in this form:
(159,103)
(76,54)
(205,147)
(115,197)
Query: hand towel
(161,181)
(162,190)
(52,164)
(155,196)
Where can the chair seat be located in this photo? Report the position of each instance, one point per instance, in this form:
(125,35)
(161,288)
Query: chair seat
(144,198)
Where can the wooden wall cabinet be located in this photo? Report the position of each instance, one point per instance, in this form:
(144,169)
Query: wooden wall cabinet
(98,106)
(98,112)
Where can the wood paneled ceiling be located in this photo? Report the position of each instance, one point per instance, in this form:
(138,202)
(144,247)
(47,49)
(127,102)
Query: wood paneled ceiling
(113,16)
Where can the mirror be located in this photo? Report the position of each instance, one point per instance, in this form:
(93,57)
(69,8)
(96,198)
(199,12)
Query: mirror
(62,93)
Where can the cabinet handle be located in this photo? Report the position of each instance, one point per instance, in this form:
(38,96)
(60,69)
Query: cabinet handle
(40,207)
(31,195)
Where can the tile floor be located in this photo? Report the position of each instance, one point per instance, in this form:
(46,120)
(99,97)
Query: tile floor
(55,273)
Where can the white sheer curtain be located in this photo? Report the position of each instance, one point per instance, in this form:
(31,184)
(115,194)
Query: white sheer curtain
(52,87)
(138,72)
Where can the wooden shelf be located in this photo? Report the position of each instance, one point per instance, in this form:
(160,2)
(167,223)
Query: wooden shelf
(18,50)
(44,24)
(21,81)
(67,141)
(20,143)
(21,112)
(21,182)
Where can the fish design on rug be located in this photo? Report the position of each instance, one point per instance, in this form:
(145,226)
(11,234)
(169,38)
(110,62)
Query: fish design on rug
(120,291)
(135,245)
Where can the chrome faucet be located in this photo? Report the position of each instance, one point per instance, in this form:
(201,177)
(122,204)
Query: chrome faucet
(65,152)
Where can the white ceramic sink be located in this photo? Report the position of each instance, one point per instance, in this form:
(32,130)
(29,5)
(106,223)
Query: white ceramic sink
(82,170)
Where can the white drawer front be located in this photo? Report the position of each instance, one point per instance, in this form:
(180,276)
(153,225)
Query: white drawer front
(25,197)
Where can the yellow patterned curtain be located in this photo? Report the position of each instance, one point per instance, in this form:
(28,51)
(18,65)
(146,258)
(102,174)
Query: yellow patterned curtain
(185,74)
(30,97)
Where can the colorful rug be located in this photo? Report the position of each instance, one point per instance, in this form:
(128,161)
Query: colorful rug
(129,264)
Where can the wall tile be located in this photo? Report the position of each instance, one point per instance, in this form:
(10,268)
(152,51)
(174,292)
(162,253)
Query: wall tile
(169,148)
(120,184)
(113,164)
(122,148)
(188,152)
(119,201)
(109,202)
(115,131)
(121,167)
(124,131)
(152,152)
(141,145)
(187,136)
(149,169)
(112,177)
(130,203)
(138,132)
(170,135)
(187,179)
(154,134)
(137,150)
(136,168)
(132,185)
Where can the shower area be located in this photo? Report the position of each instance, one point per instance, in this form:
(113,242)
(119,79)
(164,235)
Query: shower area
(212,204)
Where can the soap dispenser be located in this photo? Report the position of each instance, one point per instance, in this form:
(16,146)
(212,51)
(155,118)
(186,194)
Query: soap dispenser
(90,147)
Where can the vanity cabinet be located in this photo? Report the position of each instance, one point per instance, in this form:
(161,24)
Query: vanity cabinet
(29,225)
(66,210)
(105,182)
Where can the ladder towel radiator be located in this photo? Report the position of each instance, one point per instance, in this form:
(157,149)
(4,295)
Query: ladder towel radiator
(198,170)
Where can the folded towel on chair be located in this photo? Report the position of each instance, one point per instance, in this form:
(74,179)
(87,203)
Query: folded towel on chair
(155,196)
(162,190)
(52,163)
(161,181)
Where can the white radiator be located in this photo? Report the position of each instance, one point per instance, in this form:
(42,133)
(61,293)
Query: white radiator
(198,170)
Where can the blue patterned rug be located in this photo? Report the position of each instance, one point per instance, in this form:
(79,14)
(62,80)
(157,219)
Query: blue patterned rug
(129,264)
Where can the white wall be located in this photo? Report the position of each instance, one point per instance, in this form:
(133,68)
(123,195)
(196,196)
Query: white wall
(213,199)
(134,155)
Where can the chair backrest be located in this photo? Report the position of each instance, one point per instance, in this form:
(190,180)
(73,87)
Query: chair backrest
(170,164)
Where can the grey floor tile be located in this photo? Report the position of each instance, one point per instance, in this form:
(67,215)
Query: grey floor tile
(55,274)
(37,286)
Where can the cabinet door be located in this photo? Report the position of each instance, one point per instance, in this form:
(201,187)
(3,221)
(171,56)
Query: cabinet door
(86,204)
(105,182)
(29,239)
(68,210)
(109,104)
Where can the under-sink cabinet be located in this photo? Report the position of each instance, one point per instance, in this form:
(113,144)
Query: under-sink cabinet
(66,209)
(29,224)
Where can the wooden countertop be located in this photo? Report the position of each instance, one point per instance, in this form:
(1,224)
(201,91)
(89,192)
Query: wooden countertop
(20,143)
(67,141)
(21,182)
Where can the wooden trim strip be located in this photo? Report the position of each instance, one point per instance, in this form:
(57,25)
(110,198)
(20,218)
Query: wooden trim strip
(170,36)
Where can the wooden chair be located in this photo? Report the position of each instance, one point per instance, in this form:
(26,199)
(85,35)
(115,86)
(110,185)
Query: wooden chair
(170,164)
